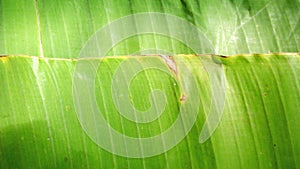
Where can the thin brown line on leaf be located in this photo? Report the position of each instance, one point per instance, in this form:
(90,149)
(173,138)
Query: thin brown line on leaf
(126,56)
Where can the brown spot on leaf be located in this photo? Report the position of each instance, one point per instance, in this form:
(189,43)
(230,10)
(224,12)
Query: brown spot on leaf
(223,56)
(67,108)
(4,58)
(183,97)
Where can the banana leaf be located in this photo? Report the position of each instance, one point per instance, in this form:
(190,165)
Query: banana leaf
(62,103)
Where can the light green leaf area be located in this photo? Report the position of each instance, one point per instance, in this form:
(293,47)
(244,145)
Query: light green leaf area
(39,127)
(232,26)
(259,127)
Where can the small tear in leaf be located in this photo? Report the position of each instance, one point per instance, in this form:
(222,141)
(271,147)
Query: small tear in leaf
(170,63)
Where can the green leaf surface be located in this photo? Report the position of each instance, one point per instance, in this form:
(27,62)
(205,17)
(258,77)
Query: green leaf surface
(39,124)
(259,127)
(59,29)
